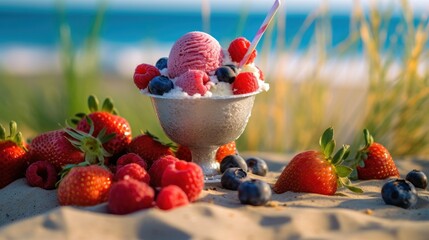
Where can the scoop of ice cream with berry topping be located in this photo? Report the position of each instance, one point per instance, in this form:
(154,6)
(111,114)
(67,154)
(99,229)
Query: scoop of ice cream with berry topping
(198,66)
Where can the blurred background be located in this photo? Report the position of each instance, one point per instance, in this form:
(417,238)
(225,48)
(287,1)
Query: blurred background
(346,63)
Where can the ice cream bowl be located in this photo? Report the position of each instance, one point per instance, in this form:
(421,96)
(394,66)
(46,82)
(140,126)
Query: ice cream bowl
(204,124)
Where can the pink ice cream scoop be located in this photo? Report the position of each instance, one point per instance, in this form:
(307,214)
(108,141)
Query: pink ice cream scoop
(194,51)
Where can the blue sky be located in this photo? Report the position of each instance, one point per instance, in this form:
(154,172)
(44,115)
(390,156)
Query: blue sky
(216,5)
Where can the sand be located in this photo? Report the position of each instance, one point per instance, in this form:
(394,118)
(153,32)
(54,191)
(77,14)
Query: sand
(34,213)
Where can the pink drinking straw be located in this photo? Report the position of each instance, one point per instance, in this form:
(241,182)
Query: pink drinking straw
(260,32)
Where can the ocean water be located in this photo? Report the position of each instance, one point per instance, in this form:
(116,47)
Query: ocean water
(31,36)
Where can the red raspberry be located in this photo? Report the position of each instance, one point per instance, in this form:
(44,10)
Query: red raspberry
(130,195)
(245,82)
(42,174)
(130,158)
(158,167)
(238,48)
(193,82)
(143,74)
(133,170)
(171,197)
(186,175)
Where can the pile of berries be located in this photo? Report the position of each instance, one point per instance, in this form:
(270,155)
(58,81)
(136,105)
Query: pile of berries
(155,78)
(234,177)
(402,192)
(97,160)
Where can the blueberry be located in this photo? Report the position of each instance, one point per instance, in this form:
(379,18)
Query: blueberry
(417,178)
(232,178)
(161,63)
(160,85)
(399,192)
(225,74)
(234,160)
(233,67)
(254,192)
(257,166)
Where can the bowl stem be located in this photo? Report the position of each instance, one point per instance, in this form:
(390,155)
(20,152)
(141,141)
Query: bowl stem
(205,157)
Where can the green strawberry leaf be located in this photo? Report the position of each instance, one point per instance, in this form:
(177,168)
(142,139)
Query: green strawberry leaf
(107,105)
(2,132)
(343,171)
(340,155)
(354,189)
(327,137)
(93,103)
(329,148)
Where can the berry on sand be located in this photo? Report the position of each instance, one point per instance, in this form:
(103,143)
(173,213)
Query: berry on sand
(317,171)
(254,192)
(245,82)
(257,166)
(232,178)
(231,161)
(13,155)
(417,178)
(130,195)
(158,167)
(373,160)
(238,48)
(225,150)
(186,175)
(171,197)
(106,122)
(41,174)
(68,146)
(130,158)
(143,74)
(399,193)
(149,147)
(132,170)
(85,186)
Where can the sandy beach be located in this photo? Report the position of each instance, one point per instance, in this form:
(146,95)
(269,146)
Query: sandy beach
(34,213)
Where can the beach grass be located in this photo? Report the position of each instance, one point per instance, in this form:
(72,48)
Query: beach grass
(391,99)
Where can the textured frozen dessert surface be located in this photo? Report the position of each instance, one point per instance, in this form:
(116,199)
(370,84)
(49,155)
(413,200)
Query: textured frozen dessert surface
(194,51)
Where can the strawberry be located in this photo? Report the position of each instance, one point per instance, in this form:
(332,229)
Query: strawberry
(148,147)
(85,186)
(226,150)
(143,74)
(13,155)
(316,171)
(245,82)
(171,197)
(238,48)
(106,120)
(68,146)
(183,152)
(130,195)
(373,160)
(186,175)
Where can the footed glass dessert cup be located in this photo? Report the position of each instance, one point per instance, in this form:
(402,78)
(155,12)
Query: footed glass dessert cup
(204,124)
